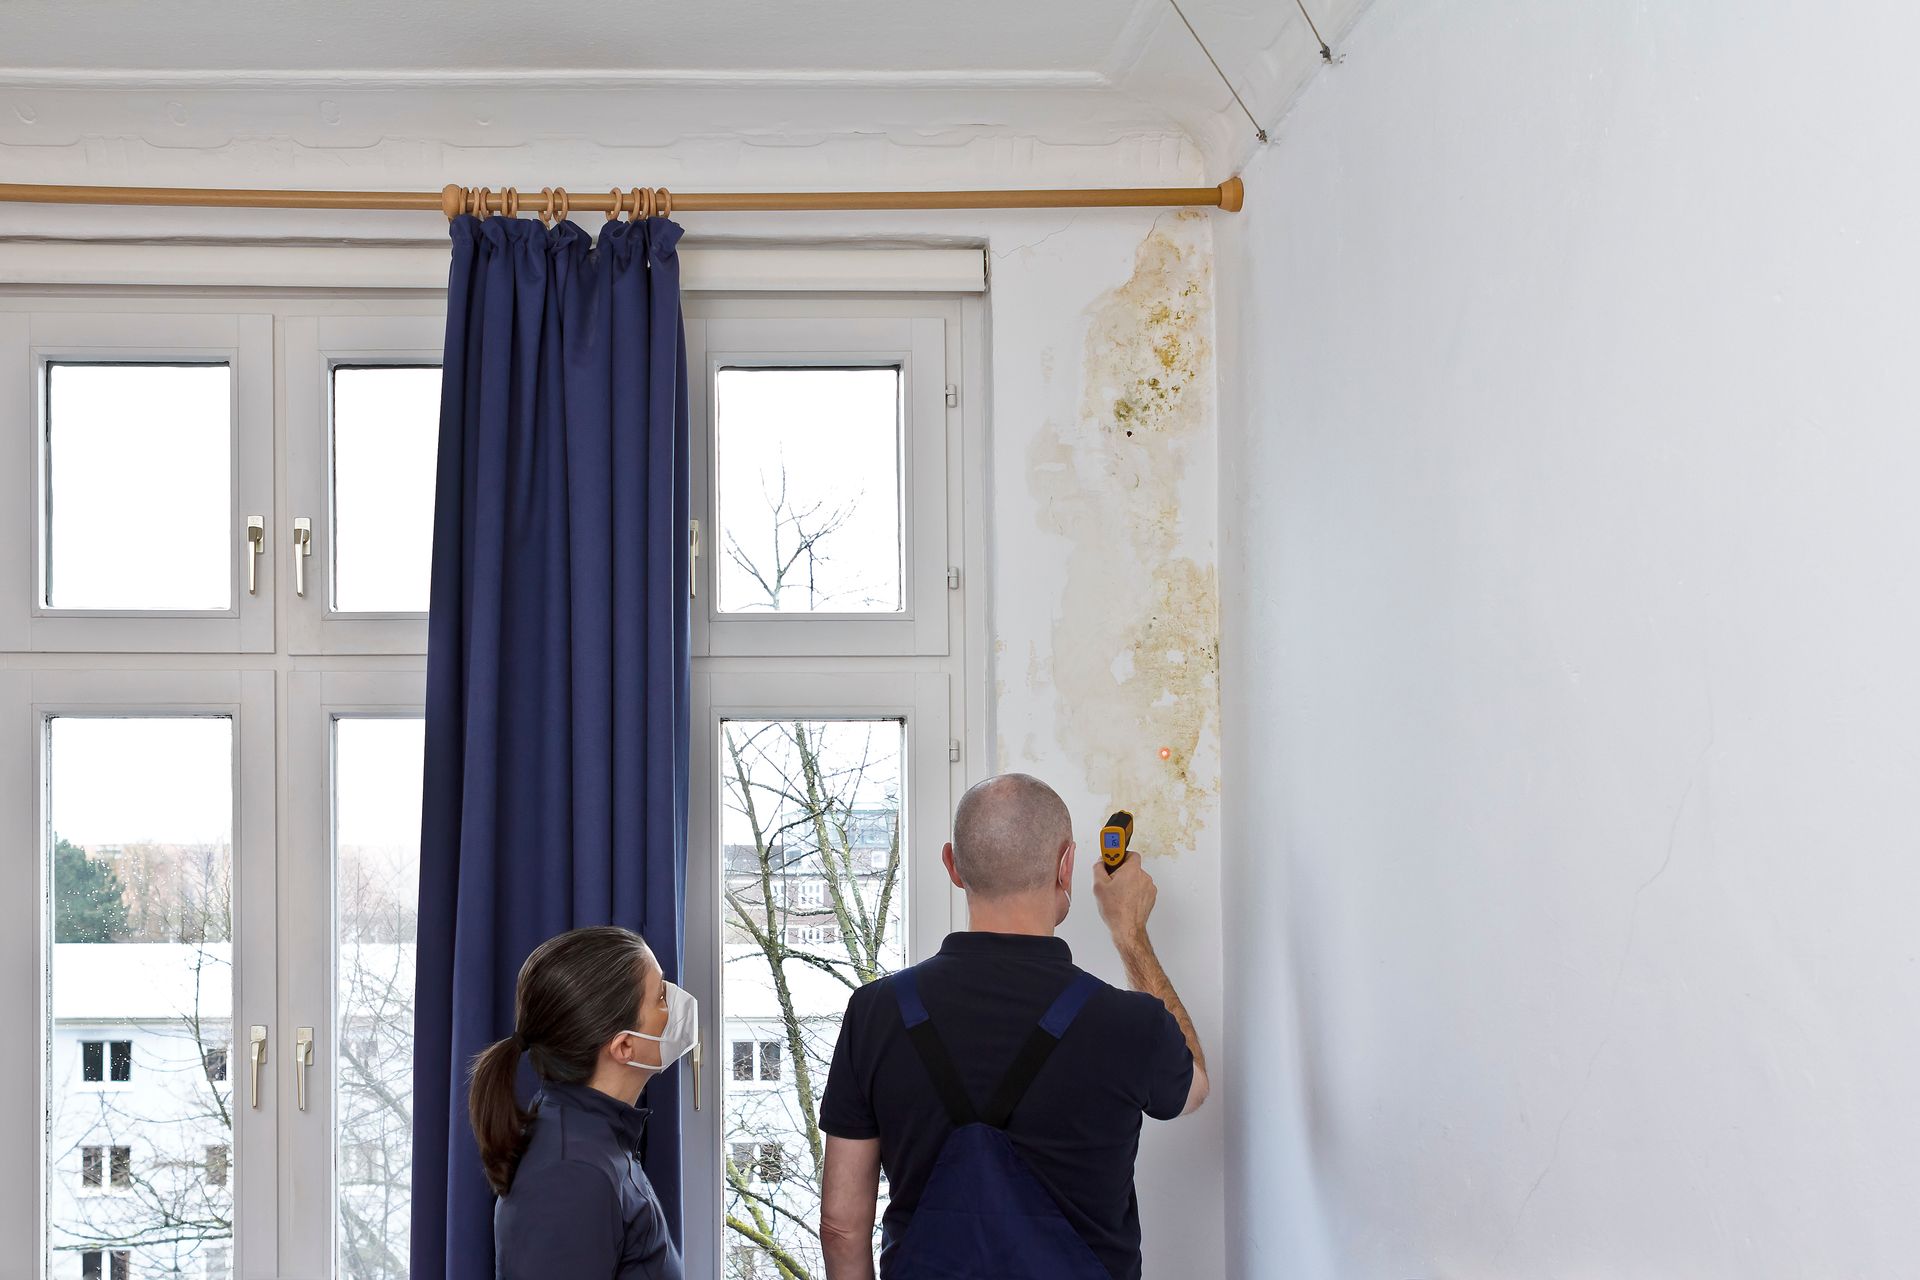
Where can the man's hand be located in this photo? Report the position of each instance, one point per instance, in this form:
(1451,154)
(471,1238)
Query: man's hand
(1125,899)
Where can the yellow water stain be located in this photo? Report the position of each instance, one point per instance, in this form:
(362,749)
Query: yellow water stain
(1135,656)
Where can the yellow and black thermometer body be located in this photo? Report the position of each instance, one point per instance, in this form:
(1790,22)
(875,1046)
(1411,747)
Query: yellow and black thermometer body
(1114,838)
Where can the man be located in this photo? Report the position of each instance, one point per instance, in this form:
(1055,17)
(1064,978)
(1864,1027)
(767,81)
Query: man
(1077,1125)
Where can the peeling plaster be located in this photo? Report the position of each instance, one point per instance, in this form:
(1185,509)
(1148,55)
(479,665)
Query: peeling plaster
(1135,656)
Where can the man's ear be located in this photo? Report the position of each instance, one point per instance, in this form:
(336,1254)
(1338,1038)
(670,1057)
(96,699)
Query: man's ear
(953,872)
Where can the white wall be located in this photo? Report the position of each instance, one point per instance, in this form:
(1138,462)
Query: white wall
(1569,653)
(1100,583)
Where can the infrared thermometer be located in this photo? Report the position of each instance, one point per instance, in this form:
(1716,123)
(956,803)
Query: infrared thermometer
(1114,838)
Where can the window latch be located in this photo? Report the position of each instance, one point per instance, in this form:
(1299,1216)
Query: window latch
(693,559)
(257,1050)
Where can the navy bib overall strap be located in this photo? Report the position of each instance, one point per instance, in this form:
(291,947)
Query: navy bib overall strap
(983,1214)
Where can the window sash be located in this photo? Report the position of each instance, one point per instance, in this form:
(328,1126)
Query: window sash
(34,333)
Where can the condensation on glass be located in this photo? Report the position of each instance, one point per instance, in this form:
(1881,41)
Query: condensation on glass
(385,431)
(813,906)
(140,862)
(808,487)
(376,858)
(137,487)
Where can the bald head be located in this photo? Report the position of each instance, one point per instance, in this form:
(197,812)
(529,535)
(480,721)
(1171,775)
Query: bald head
(1008,834)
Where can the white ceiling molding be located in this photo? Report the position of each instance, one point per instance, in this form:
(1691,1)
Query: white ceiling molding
(1031,85)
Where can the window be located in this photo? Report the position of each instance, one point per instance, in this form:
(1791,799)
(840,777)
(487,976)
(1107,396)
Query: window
(90,1264)
(226,811)
(828,461)
(772,1165)
(122,1264)
(363,430)
(140,807)
(131,443)
(360,733)
(142,449)
(386,428)
(823,486)
(807,489)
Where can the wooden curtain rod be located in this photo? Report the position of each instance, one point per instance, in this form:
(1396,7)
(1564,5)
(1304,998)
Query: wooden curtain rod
(638,202)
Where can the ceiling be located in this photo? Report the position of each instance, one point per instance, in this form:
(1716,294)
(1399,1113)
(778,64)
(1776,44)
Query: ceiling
(1073,69)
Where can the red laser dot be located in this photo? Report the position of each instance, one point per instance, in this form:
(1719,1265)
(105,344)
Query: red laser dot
(1166,753)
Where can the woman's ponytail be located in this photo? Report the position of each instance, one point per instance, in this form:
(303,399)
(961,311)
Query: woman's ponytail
(499,1125)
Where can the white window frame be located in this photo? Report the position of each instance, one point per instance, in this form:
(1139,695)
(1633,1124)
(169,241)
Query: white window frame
(315,700)
(36,332)
(314,346)
(282,1167)
(919,336)
(28,700)
(933,907)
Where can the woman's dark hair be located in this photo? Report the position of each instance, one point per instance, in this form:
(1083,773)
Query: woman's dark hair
(568,1003)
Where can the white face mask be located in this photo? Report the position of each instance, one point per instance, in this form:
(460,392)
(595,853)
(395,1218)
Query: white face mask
(677,1037)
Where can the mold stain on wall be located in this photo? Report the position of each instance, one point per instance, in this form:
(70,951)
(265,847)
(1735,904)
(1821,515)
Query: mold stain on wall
(1135,640)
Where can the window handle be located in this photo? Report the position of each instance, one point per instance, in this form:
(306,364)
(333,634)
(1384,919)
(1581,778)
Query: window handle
(698,1055)
(693,567)
(257,1054)
(302,548)
(302,1059)
(256,544)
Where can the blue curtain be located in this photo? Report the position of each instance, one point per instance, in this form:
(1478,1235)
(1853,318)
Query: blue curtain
(556,722)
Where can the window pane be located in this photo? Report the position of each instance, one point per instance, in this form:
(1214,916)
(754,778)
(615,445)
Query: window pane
(377,877)
(808,490)
(807,801)
(93,1058)
(139,486)
(386,426)
(142,860)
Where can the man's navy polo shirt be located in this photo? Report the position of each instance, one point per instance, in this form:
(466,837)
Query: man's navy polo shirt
(1078,1127)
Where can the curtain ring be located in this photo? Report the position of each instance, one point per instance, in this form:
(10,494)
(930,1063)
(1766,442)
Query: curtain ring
(666,203)
(468,196)
(560,195)
(485,201)
(650,202)
(546,208)
(613,211)
(510,201)
(635,212)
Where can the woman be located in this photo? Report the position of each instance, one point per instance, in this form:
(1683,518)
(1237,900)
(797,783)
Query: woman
(597,1019)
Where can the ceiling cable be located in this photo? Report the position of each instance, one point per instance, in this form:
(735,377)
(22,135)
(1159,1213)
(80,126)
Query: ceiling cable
(1258,132)
(1326,53)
